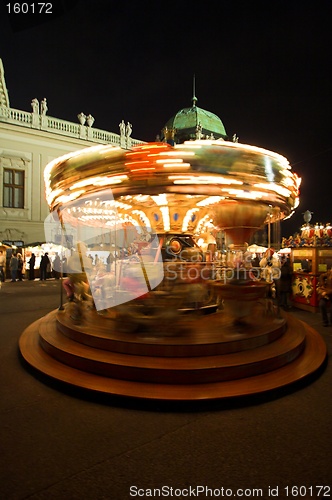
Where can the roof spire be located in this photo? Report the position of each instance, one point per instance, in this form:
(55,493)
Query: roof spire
(194,89)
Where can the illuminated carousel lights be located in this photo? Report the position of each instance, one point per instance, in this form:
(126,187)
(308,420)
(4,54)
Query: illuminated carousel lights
(161,157)
(143,217)
(123,220)
(202,223)
(188,218)
(172,153)
(202,179)
(118,204)
(166,217)
(210,200)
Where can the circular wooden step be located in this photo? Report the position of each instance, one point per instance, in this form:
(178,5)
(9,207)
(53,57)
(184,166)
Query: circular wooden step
(173,370)
(242,363)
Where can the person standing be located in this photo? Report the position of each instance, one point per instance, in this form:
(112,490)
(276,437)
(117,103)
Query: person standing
(56,266)
(44,264)
(49,268)
(32,261)
(13,265)
(20,265)
(109,262)
(285,285)
(2,267)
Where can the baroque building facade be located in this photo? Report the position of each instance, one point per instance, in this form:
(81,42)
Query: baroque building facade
(28,142)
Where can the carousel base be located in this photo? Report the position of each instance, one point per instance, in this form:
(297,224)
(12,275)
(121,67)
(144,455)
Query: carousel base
(212,357)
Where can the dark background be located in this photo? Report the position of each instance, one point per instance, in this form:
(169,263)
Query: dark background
(263,67)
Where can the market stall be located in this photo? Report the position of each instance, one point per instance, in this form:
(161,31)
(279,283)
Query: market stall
(311,255)
(39,249)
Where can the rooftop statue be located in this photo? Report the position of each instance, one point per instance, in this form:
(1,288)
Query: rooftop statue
(43,107)
(122,127)
(35,105)
(128,129)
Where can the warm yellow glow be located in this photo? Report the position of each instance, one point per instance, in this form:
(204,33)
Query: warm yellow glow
(117,204)
(173,153)
(202,179)
(108,181)
(169,160)
(138,162)
(248,147)
(140,198)
(172,163)
(86,182)
(143,169)
(240,193)
(70,197)
(123,220)
(144,218)
(187,218)
(160,200)
(108,149)
(52,165)
(288,181)
(178,165)
(166,218)
(149,146)
(191,177)
(202,223)
(274,187)
(209,201)
(52,195)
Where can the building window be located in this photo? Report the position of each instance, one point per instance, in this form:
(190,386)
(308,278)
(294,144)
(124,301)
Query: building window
(13,188)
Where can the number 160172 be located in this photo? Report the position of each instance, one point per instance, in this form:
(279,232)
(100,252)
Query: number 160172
(30,8)
(308,491)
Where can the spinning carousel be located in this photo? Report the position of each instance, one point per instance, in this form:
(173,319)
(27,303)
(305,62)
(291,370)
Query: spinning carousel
(163,322)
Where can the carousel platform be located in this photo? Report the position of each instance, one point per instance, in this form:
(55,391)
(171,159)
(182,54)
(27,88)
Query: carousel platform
(209,358)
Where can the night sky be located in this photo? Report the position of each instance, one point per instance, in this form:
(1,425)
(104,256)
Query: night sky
(264,67)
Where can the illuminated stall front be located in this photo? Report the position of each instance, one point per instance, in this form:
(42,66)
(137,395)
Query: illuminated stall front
(311,256)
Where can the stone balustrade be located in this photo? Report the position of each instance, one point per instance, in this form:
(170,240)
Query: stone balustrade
(16,116)
(55,124)
(63,127)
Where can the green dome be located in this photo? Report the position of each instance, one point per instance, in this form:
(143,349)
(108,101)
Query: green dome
(185,122)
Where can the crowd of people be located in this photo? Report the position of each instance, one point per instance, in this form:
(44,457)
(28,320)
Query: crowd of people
(20,268)
(16,266)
